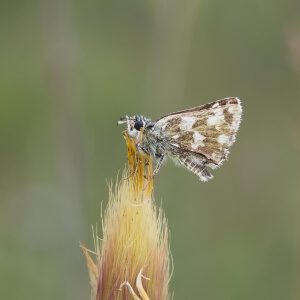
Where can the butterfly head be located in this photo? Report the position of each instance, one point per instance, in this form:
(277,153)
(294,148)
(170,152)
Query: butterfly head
(135,124)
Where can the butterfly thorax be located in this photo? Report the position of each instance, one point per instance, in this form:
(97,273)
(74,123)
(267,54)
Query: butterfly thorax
(153,142)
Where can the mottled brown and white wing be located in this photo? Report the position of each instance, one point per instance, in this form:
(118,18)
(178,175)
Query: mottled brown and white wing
(208,130)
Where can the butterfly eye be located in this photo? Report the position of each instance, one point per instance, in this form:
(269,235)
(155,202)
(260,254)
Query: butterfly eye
(138,125)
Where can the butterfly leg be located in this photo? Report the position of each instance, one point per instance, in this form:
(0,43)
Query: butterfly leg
(157,167)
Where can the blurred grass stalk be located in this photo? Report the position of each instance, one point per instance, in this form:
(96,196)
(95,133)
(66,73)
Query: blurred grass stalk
(132,259)
(292,36)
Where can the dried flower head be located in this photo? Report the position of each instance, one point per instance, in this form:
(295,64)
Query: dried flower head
(132,259)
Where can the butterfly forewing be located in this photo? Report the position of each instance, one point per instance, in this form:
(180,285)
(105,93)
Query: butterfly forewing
(209,129)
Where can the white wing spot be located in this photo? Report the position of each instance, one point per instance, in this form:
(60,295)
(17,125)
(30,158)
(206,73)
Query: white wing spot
(223,139)
(215,120)
(187,123)
(198,140)
(233,109)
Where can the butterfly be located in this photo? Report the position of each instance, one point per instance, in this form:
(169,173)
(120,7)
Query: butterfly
(194,138)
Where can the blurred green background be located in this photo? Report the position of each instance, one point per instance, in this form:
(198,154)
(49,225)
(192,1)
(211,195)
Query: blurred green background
(70,69)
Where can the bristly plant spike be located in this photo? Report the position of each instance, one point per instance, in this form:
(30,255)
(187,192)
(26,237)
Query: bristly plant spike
(132,258)
(194,138)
